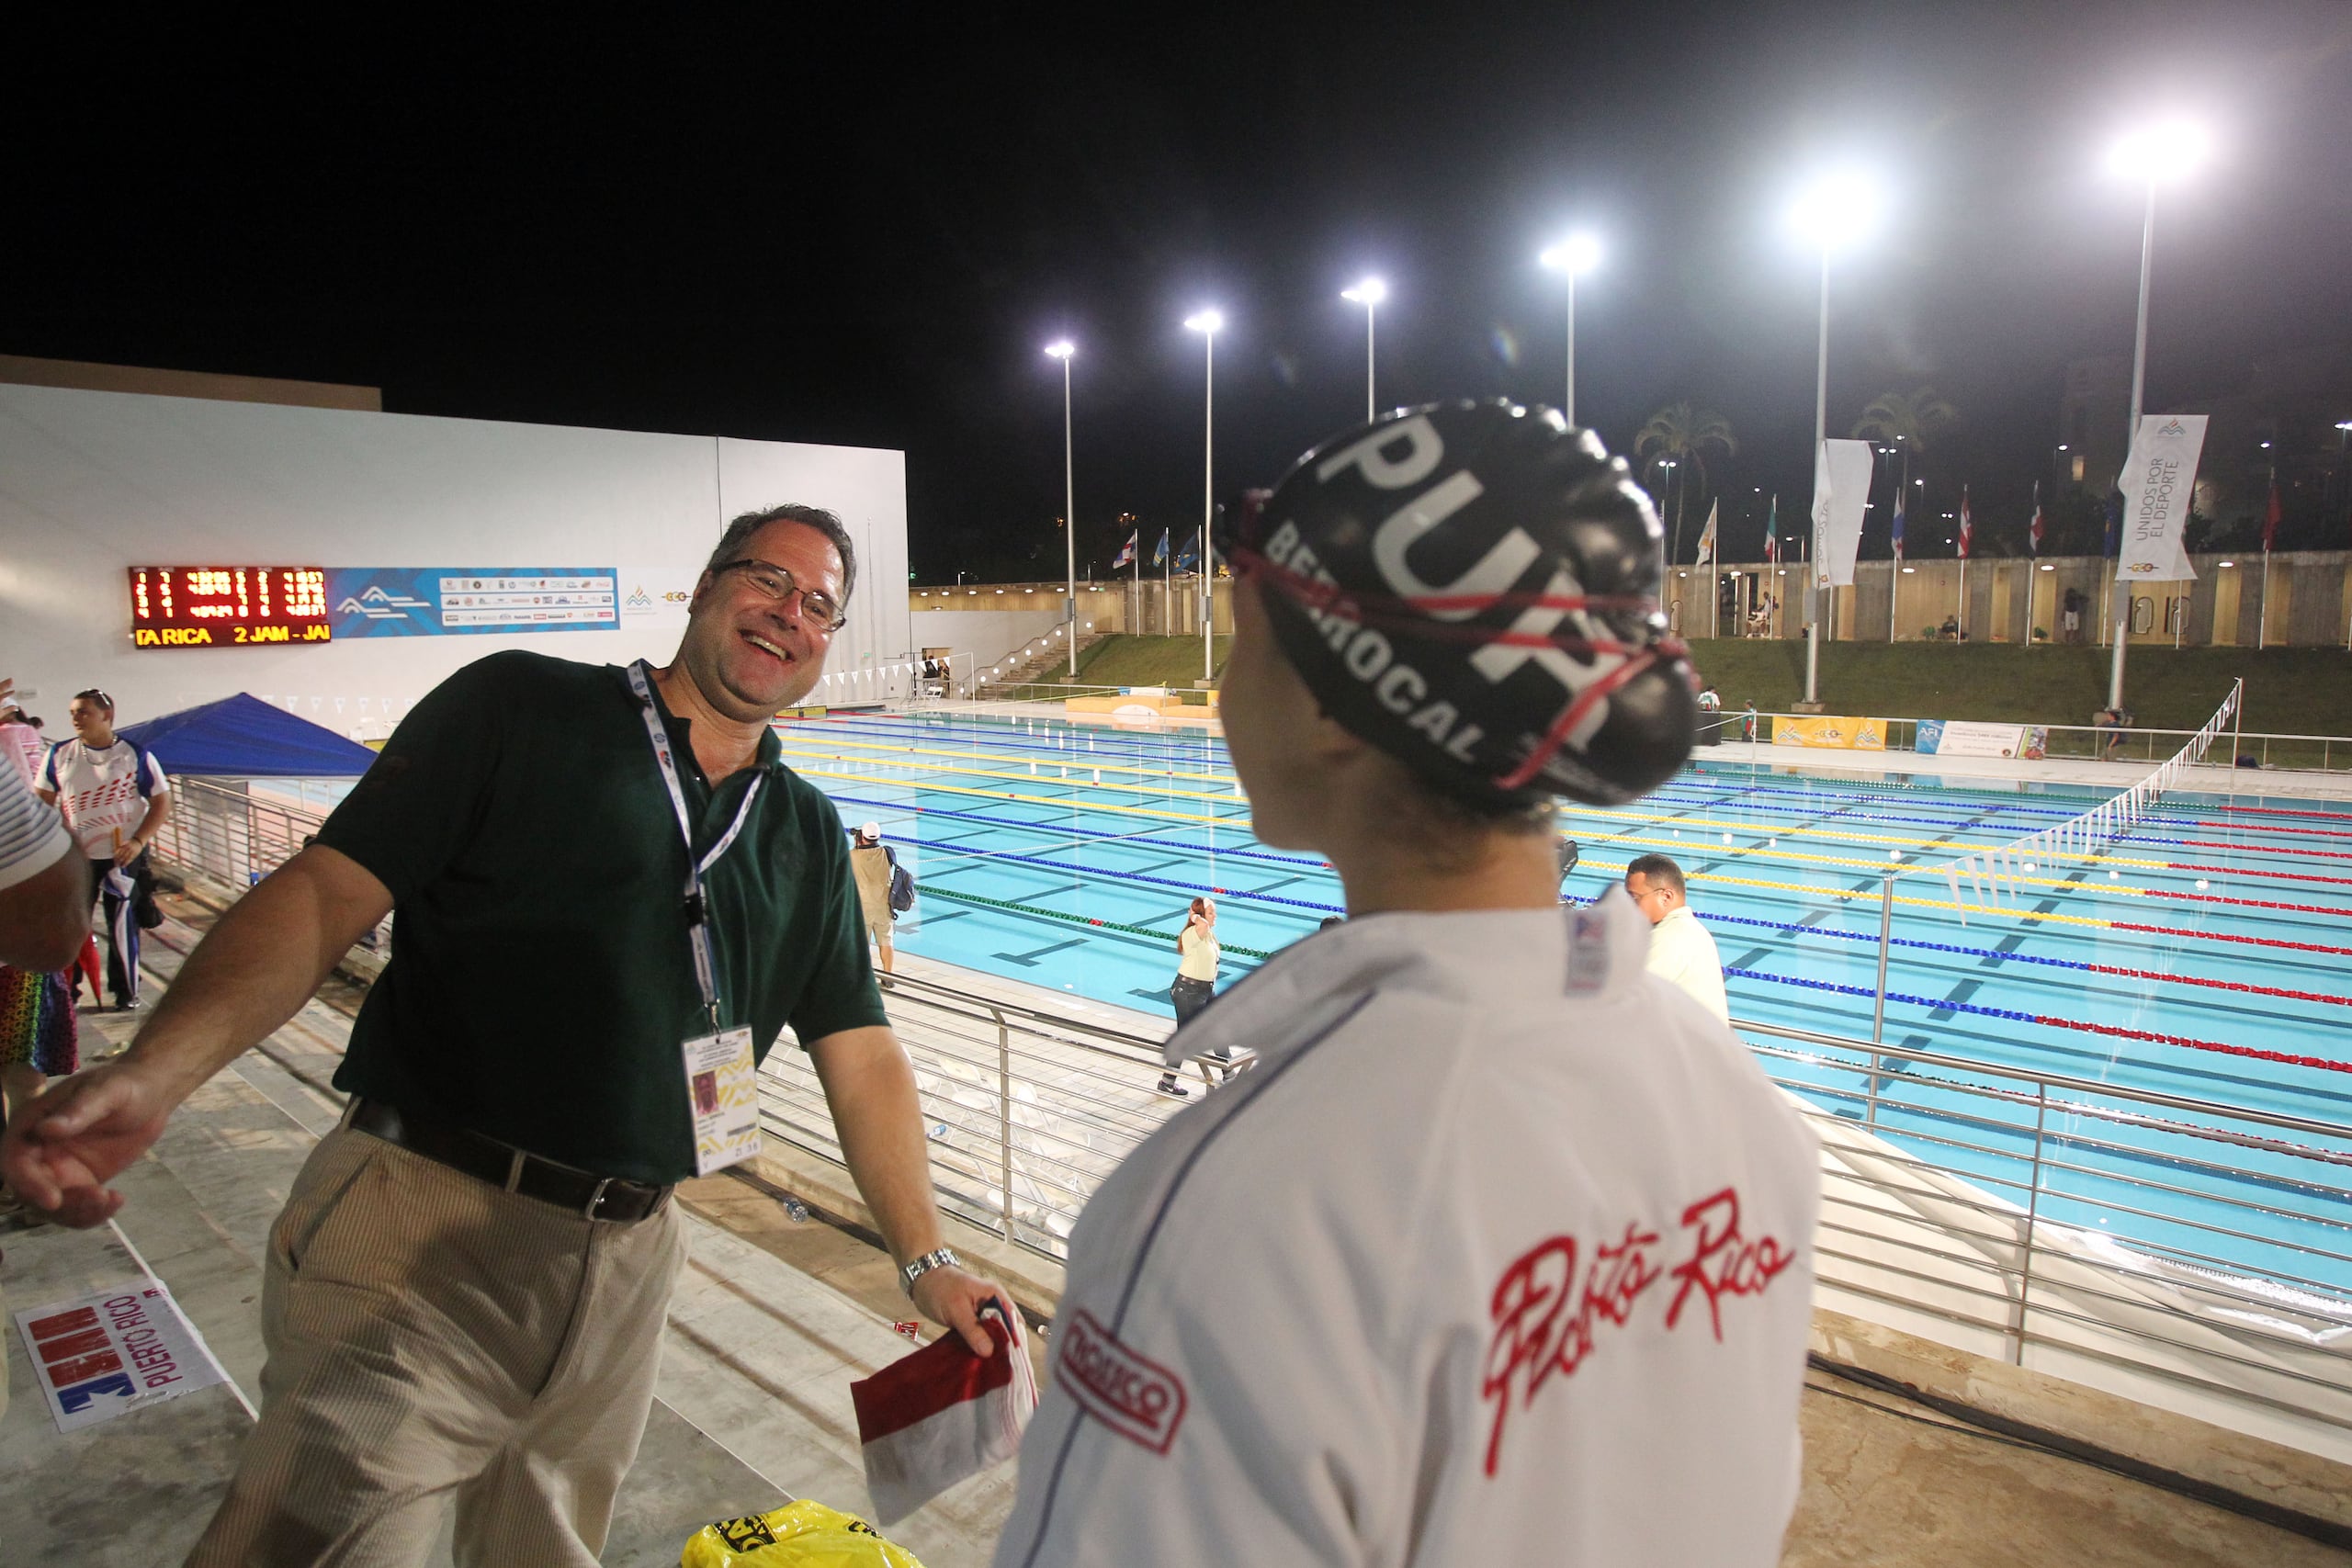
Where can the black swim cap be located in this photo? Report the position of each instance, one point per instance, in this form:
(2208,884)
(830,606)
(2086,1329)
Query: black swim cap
(1472,588)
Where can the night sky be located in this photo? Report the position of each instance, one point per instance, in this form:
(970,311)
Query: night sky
(766,224)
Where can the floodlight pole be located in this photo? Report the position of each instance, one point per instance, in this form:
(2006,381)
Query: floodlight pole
(1820,440)
(1371,403)
(2132,434)
(1568,404)
(1069,520)
(1208,501)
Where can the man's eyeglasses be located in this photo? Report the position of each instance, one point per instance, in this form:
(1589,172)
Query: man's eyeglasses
(822,610)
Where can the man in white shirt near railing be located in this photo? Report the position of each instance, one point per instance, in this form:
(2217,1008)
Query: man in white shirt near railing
(1503,1253)
(1682,952)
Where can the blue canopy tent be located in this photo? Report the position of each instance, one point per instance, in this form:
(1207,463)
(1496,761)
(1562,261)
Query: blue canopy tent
(242,737)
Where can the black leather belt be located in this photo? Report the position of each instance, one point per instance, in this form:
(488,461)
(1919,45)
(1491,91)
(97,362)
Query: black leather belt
(503,1165)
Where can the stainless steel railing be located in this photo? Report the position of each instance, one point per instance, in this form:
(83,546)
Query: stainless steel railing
(2029,1215)
(227,835)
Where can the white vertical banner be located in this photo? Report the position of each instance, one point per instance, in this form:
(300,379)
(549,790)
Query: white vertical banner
(1841,488)
(2158,482)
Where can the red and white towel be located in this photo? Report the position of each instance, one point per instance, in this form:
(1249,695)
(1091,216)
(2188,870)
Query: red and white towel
(930,1419)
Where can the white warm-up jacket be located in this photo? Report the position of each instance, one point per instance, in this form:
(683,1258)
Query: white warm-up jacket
(1502,1255)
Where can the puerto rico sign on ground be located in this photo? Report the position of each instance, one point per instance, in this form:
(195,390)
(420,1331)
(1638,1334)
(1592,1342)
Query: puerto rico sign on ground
(114,1351)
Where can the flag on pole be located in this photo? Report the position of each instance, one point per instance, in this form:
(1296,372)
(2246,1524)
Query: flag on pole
(1162,553)
(1898,525)
(1772,531)
(1190,553)
(1128,550)
(1967,524)
(1707,537)
(2114,545)
(2270,517)
(2038,527)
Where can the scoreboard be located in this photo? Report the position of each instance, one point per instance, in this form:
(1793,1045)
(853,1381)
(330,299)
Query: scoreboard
(228,606)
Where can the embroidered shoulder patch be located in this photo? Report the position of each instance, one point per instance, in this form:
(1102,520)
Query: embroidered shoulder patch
(1135,1396)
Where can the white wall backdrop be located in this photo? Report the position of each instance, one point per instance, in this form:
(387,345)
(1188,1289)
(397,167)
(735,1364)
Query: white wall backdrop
(987,635)
(92,484)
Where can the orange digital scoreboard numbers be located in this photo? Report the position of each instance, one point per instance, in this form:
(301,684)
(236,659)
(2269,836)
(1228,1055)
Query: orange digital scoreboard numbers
(228,606)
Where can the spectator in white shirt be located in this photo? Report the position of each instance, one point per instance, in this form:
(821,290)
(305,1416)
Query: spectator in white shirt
(1682,952)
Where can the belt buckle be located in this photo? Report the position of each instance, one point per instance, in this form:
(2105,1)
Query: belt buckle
(596,1199)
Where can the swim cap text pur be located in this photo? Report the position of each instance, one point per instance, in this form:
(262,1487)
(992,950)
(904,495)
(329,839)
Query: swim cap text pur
(1472,588)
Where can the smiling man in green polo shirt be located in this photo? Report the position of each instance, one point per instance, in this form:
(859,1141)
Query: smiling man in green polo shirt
(612,894)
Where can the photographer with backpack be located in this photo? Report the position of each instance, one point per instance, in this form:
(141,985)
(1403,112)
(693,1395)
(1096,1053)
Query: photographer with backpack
(885,888)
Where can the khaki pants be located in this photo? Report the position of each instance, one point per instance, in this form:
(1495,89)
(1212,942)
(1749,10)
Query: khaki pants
(435,1339)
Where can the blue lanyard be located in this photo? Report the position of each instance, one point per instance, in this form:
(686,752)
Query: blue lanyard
(698,906)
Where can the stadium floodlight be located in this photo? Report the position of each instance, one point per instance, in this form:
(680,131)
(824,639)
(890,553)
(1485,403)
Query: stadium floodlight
(2167,150)
(1061,350)
(1579,252)
(1371,291)
(1206,321)
(1839,207)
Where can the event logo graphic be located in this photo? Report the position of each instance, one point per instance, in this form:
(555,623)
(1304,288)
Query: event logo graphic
(2172,427)
(378,605)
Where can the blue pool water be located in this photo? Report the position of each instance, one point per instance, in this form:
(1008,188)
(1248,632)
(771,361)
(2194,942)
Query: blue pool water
(1065,856)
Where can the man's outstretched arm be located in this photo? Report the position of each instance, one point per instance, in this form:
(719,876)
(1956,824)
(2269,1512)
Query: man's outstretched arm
(870,1087)
(257,966)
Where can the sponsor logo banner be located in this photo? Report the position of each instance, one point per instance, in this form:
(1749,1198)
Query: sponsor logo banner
(2158,482)
(1826,731)
(454,601)
(102,1355)
(1966,738)
(1138,1398)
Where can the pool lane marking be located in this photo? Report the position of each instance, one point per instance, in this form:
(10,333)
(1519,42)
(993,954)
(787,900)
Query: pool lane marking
(2095,922)
(2015,1015)
(1859,795)
(2092,923)
(1065,767)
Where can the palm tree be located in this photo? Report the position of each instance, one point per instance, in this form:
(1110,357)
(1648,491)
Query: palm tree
(1910,420)
(1681,433)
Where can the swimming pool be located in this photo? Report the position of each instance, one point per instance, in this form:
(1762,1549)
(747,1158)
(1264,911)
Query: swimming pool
(2201,954)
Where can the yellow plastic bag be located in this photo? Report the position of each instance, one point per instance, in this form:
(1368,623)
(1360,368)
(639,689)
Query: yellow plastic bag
(798,1535)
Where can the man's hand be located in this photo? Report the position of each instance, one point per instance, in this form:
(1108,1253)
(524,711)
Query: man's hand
(952,1297)
(63,1149)
(128,850)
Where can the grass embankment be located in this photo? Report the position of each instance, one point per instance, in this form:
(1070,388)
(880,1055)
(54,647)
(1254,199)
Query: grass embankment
(2289,691)
(1125,660)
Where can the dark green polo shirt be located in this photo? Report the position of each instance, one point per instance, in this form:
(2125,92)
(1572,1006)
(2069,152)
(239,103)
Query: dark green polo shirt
(540,980)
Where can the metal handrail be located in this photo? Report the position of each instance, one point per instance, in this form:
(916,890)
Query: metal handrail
(1951,1223)
(2055,1080)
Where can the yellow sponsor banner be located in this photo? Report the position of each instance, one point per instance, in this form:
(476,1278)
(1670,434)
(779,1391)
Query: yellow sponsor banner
(1831,731)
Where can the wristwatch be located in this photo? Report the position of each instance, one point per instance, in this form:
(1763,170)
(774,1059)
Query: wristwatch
(937,1258)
